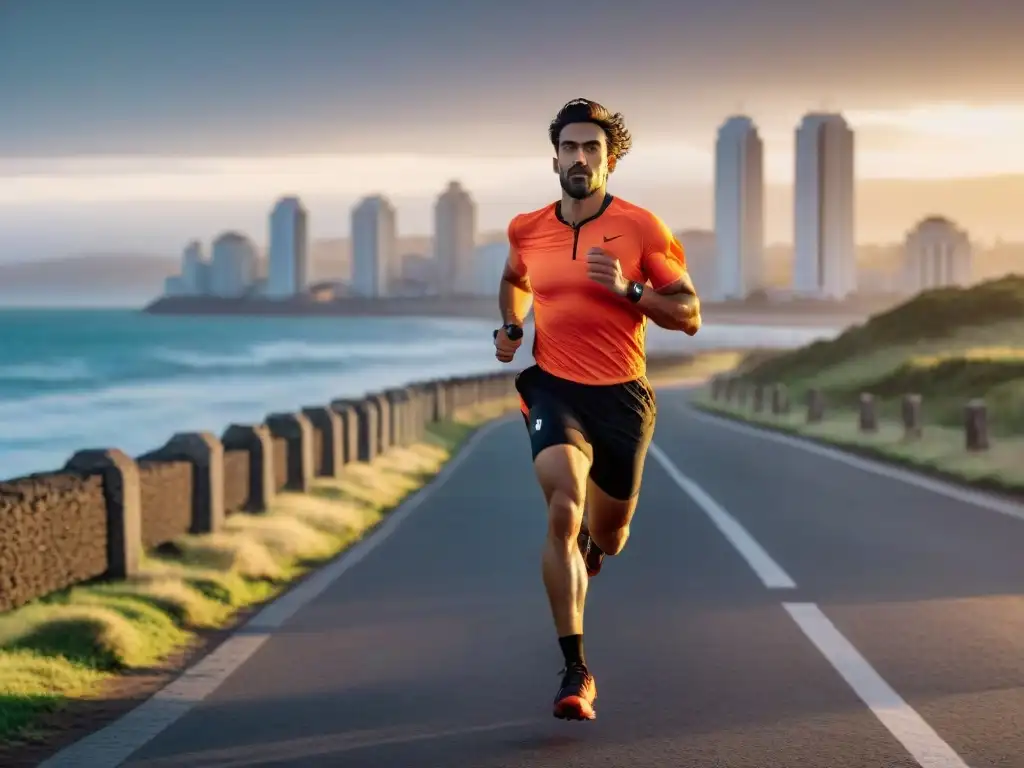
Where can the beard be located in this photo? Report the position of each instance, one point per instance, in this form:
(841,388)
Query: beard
(577,188)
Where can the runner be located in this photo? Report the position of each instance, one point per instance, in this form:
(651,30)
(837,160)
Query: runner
(594,268)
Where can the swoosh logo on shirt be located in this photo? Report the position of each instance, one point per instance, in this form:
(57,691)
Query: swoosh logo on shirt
(613,237)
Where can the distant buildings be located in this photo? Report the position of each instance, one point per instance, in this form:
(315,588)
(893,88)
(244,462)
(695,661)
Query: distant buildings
(824,264)
(195,270)
(936,254)
(288,254)
(376,268)
(702,261)
(739,209)
(194,278)
(455,240)
(489,261)
(731,262)
(232,266)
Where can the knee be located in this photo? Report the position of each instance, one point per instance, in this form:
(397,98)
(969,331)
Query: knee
(565,512)
(611,542)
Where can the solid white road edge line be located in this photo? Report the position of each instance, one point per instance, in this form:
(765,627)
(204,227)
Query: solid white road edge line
(899,718)
(112,745)
(770,572)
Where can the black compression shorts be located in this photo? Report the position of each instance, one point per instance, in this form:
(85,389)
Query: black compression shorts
(613,424)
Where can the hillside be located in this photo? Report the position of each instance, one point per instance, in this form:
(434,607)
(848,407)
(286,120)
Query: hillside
(947,345)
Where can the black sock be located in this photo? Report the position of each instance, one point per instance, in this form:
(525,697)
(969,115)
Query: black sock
(572,650)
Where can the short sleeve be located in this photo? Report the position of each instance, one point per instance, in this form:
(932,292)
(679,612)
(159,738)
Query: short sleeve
(663,259)
(515,260)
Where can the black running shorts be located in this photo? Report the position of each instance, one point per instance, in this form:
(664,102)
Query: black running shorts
(613,424)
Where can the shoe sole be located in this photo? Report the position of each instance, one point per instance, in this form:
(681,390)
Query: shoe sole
(574,708)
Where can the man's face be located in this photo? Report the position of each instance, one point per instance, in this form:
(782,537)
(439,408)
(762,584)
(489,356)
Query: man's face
(582,162)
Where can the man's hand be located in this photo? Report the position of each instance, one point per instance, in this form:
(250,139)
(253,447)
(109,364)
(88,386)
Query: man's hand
(605,269)
(505,348)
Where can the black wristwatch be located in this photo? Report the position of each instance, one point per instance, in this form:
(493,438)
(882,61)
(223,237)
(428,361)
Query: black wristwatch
(634,291)
(512,330)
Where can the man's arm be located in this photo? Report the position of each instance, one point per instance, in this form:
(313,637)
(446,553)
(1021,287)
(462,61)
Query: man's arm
(515,298)
(674,307)
(671,301)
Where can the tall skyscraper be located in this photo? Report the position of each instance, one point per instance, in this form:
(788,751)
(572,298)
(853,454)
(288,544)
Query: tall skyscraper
(288,259)
(375,263)
(739,208)
(233,265)
(455,240)
(825,254)
(937,254)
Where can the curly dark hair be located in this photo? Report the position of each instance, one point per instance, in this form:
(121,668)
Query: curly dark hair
(587,111)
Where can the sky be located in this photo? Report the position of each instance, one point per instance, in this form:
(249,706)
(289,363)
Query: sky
(121,119)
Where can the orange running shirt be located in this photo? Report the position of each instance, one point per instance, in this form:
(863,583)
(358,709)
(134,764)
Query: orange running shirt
(584,332)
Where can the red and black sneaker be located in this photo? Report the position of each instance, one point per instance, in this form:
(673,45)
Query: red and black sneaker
(592,554)
(575,697)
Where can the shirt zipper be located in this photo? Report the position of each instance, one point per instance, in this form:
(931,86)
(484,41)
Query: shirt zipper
(576,227)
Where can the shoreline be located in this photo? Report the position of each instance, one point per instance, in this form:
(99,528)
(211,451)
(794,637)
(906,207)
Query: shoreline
(476,307)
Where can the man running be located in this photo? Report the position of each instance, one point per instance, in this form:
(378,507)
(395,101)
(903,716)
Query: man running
(594,268)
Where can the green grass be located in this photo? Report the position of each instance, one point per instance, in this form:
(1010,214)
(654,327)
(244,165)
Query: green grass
(940,451)
(69,644)
(949,346)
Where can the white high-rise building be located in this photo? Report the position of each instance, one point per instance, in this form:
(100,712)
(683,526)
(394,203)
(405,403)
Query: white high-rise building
(455,240)
(825,253)
(288,257)
(233,265)
(376,268)
(937,254)
(739,209)
(702,261)
(194,270)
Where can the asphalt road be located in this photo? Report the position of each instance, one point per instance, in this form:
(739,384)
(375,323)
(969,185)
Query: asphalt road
(849,620)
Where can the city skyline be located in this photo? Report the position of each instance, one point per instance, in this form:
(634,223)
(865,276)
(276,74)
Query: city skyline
(133,146)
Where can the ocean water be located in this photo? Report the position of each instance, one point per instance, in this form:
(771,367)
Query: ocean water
(72,379)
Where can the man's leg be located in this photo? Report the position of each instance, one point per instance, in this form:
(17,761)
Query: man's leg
(621,442)
(562,471)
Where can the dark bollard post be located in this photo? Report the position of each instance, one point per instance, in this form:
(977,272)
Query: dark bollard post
(383,421)
(780,400)
(206,454)
(368,414)
(976,434)
(257,440)
(349,417)
(868,413)
(328,423)
(731,386)
(296,429)
(758,398)
(911,412)
(123,495)
(815,406)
